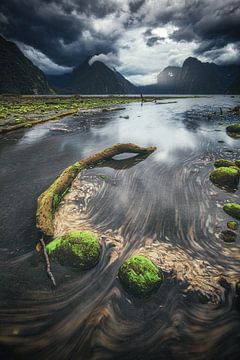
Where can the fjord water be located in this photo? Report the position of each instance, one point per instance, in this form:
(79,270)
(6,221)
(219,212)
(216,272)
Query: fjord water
(167,198)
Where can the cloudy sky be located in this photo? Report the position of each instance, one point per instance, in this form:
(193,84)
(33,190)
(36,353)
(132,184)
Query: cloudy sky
(137,37)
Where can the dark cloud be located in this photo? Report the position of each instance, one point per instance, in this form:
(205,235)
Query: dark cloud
(147,33)
(212,24)
(134,6)
(154,40)
(51,26)
(68,31)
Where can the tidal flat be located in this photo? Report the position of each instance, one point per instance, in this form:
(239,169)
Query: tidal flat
(164,207)
(26,111)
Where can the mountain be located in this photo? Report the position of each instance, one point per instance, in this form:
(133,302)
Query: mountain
(18,75)
(195,77)
(234,88)
(97,79)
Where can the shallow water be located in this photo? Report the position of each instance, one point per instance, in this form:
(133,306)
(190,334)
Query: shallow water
(163,205)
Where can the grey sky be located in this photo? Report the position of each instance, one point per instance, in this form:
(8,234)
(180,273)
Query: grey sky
(138,37)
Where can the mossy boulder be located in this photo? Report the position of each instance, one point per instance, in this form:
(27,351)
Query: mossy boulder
(228,236)
(227,177)
(237,163)
(140,276)
(232,225)
(223,163)
(232,210)
(80,249)
(233,130)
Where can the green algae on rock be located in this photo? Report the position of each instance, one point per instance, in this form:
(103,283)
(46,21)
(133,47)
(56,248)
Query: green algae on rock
(223,163)
(232,225)
(232,210)
(140,276)
(237,163)
(227,177)
(80,249)
(233,130)
(49,200)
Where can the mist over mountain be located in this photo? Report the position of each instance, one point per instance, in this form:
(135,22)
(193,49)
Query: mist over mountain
(18,75)
(97,78)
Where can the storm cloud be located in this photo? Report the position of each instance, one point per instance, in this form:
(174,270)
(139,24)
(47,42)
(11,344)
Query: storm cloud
(60,34)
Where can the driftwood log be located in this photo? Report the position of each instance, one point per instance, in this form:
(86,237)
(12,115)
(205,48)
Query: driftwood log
(49,200)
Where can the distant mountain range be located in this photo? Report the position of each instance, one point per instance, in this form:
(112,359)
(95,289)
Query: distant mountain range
(92,79)
(18,75)
(195,77)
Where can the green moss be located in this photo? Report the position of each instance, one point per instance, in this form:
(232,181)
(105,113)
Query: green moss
(79,249)
(58,197)
(223,163)
(232,210)
(140,276)
(233,130)
(50,199)
(23,106)
(227,177)
(233,225)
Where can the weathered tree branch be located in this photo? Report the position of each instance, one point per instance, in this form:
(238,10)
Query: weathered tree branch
(50,274)
(49,200)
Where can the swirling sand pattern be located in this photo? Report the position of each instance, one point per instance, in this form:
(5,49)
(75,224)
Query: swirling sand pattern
(91,194)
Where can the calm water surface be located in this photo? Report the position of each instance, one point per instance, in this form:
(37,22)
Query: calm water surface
(166,200)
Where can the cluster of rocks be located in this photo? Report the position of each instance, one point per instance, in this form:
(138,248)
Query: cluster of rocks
(226,176)
(81,249)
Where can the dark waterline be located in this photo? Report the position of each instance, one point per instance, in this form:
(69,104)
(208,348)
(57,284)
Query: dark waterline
(167,197)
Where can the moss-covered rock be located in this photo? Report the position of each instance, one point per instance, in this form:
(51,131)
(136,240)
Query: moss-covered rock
(79,249)
(140,276)
(223,163)
(237,163)
(232,210)
(228,236)
(227,177)
(232,225)
(233,130)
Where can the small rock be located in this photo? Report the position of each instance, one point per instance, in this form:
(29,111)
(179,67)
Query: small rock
(228,236)
(227,177)
(232,210)
(233,225)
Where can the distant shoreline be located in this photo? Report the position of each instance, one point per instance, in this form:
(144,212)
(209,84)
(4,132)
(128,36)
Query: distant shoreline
(20,111)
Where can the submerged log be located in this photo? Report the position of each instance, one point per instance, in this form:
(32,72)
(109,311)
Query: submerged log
(49,200)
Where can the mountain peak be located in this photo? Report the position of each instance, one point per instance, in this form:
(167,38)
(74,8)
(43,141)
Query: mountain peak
(97,78)
(191,61)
